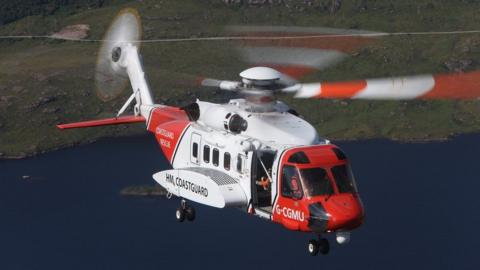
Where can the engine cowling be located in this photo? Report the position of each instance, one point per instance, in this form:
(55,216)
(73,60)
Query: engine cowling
(219,117)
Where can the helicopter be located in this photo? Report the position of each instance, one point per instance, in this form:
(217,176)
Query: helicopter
(255,153)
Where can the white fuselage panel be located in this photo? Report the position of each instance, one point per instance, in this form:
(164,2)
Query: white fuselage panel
(277,126)
(207,145)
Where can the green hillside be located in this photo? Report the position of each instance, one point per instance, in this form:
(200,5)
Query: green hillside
(46,82)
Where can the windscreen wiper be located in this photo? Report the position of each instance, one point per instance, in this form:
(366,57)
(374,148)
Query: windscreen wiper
(328,196)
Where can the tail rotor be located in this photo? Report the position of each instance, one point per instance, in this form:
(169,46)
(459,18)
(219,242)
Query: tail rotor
(110,77)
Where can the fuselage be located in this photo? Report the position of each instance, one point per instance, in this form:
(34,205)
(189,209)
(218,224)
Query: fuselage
(310,184)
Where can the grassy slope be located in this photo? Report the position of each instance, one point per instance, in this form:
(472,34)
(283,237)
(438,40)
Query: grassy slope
(32,69)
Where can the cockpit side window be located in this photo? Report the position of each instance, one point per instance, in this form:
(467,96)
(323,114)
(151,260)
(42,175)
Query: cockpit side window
(291,185)
(344,179)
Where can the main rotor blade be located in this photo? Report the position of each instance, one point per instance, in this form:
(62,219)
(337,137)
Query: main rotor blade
(208,82)
(223,85)
(442,86)
(298,57)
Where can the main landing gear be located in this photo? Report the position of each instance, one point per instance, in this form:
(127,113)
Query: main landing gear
(321,245)
(185,211)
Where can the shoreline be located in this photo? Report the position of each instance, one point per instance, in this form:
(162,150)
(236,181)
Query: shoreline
(24,155)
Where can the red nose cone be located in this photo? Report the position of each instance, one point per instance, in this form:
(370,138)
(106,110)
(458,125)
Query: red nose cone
(346,212)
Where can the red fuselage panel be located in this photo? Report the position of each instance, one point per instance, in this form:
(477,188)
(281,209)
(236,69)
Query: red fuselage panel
(168,125)
(336,210)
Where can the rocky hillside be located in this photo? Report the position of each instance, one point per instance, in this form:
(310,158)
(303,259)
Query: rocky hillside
(45,82)
(13,10)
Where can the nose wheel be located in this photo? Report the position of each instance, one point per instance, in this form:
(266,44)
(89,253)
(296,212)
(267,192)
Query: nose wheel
(185,212)
(321,245)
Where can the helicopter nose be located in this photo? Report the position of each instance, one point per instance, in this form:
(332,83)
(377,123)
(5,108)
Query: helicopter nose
(345,210)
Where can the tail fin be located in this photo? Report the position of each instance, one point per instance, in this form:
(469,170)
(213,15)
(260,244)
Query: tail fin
(126,59)
(118,58)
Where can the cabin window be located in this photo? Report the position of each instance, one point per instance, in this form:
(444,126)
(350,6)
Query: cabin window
(291,185)
(226,161)
(215,156)
(239,163)
(195,150)
(206,154)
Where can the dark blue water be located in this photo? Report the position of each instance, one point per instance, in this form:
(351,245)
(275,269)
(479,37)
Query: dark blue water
(422,203)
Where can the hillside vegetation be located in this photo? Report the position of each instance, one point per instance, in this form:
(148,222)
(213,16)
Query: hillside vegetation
(46,82)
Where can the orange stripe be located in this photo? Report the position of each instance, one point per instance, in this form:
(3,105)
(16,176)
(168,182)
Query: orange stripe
(341,89)
(455,86)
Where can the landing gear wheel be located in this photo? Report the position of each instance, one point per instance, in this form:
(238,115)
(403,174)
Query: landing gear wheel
(190,213)
(180,214)
(313,247)
(324,246)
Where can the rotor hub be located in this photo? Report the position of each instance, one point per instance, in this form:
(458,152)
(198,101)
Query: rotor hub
(260,76)
(116,53)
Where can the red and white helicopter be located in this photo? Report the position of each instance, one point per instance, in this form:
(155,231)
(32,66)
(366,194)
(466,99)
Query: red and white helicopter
(255,153)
